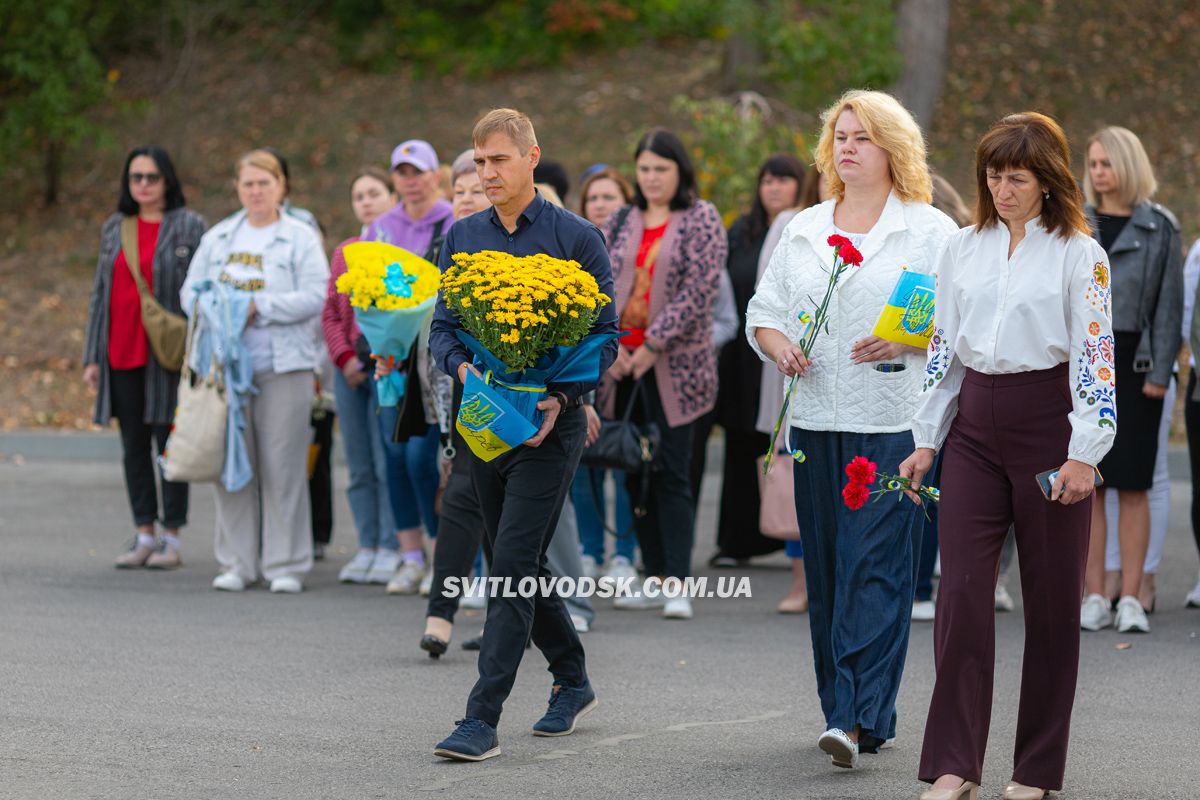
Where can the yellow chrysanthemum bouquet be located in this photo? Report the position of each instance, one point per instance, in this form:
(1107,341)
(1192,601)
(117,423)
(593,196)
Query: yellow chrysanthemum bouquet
(393,293)
(526,320)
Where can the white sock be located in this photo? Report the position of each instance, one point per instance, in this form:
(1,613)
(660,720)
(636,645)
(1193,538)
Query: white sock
(146,540)
(172,542)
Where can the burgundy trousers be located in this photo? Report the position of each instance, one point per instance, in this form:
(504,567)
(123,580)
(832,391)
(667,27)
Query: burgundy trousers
(1008,429)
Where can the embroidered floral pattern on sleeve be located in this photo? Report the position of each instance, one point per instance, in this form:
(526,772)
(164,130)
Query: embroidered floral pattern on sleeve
(1095,382)
(1100,289)
(939,359)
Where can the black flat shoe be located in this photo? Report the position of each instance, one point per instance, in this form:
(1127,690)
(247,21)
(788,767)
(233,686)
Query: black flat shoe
(434,646)
(472,643)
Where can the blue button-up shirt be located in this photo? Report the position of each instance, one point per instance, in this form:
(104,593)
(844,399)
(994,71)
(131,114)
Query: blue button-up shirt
(541,228)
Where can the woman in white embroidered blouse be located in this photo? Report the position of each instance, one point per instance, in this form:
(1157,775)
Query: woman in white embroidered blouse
(855,397)
(1020,380)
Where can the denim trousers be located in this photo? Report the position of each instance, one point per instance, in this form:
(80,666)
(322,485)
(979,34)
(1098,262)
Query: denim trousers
(859,567)
(412,474)
(928,553)
(591,507)
(366,463)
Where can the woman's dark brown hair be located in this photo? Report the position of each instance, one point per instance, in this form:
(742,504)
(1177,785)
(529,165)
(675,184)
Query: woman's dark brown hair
(1035,142)
(810,195)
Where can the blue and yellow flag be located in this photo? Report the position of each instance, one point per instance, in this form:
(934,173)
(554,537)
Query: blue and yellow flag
(908,316)
(499,411)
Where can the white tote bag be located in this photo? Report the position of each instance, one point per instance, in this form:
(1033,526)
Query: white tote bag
(195,450)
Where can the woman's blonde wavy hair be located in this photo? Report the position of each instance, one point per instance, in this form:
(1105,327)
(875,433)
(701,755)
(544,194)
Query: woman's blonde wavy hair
(890,126)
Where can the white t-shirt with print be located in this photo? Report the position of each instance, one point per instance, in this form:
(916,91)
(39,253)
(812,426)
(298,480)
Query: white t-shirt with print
(244,271)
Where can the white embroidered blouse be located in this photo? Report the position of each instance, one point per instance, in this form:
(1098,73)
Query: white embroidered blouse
(1048,304)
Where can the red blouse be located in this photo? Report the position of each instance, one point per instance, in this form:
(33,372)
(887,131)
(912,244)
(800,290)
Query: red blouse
(128,347)
(636,317)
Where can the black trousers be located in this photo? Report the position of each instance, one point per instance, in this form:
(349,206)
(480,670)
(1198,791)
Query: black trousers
(520,495)
(667,531)
(701,430)
(460,530)
(737,527)
(320,482)
(1191,415)
(128,395)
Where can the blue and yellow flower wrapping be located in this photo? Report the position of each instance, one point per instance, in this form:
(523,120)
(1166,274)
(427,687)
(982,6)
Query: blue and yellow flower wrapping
(499,411)
(908,316)
(392,292)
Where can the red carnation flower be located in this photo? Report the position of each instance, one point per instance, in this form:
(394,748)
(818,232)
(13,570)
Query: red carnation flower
(849,253)
(861,470)
(836,240)
(855,495)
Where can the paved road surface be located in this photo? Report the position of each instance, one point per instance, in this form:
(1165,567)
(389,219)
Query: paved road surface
(143,685)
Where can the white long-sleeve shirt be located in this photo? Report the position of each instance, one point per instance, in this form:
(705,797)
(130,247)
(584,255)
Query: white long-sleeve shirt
(1047,304)
(836,394)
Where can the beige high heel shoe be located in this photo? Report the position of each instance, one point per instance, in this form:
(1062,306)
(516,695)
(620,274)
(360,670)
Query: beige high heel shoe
(1017,791)
(968,791)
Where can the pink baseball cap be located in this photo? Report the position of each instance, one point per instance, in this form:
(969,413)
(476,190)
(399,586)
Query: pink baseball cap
(417,152)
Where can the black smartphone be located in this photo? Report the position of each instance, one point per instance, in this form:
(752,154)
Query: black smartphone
(1046,480)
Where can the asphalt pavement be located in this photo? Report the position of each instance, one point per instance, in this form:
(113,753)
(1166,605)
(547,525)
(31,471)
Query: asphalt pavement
(137,684)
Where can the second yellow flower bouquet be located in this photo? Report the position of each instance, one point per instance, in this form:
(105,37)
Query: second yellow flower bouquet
(526,319)
(519,307)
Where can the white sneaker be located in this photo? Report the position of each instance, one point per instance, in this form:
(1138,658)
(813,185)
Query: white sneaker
(888,744)
(1131,617)
(1004,601)
(639,600)
(474,598)
(677,608)
(229,582)
(426,584)
(383,567)
(1094,614)
(591,569)
(620,568)
(407,579)
(923,611)
(842,751)
(1193,598)
(358,567)
(287,584)
(581,624)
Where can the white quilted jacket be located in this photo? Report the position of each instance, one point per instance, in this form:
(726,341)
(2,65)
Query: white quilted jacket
(836,394)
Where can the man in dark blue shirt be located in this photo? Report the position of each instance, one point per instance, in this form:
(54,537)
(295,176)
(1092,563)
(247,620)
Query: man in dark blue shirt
(521,492)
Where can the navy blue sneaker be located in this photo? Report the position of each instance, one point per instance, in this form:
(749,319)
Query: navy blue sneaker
(472,740)
(567,705)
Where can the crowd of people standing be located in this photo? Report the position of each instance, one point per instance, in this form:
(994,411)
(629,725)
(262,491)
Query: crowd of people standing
(1069,284)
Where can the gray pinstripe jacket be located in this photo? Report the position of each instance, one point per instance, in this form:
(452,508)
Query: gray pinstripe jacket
(178,238)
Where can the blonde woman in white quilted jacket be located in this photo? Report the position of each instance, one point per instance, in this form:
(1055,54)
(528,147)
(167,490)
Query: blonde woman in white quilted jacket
(856,396)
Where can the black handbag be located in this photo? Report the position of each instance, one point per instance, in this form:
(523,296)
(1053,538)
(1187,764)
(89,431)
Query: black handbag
(627,447)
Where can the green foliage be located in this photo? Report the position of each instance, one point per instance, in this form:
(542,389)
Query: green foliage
(813,50)
(50,79)
(729,141)
(479,36)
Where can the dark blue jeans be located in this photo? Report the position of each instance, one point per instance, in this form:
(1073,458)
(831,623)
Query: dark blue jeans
(859,566)
(412,474)
(927,557)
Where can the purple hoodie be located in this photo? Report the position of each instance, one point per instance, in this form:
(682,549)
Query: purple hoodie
(396,227)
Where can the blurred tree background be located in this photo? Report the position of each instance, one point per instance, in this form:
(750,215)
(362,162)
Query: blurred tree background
(335,84)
